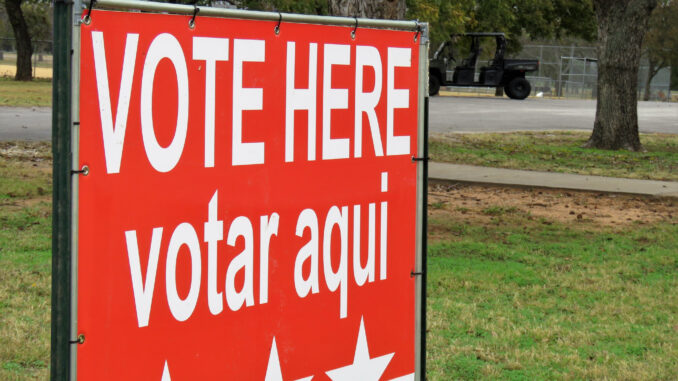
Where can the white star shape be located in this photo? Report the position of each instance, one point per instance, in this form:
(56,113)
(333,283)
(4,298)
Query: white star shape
(273,371)
(166,373)
(363,368)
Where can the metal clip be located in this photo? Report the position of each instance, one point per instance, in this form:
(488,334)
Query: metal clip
(414,273)
(84,171)
(416,35)
(415,159)
(79,340)
(355,28)
(88,17)
(277,27)
(191,22)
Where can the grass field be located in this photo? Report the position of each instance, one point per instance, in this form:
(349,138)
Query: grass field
(17,93)
(517,296)
(517,291)
(560,151)
(25,265)
(553,303)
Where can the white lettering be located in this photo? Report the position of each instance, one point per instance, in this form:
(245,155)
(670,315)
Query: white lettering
(114,137)
(337,279)
(307,220)
(246,99)
(383,223)
(164,46)
(268,228)
(241,227)
(360,273)
(143,292)
(367,102)
(214,232)
(210,50)
(300,99)
(184,234)
(334,99)
(396,98)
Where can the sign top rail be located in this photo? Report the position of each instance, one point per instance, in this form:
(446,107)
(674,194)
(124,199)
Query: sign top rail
(412,25)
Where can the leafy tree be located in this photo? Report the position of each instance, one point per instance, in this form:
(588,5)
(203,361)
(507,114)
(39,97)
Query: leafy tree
(38,20)
(537,18)
(443,16)
(534,18)
(574,18)
(380,9)
(621,28)
(29,20)
(5,28)
(661,41)
(384,9)
(313,7)
(24,47)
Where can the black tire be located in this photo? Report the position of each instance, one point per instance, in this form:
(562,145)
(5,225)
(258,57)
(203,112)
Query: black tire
(433,85)
(507,91)
(518,88)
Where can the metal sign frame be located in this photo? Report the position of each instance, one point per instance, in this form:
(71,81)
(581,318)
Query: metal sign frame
(65,143)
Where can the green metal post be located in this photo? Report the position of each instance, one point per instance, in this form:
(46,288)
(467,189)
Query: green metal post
(424,246)
(61,196)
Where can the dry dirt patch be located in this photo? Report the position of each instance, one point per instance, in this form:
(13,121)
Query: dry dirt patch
(482,204)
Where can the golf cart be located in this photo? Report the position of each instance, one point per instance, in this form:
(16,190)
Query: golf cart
(499,72)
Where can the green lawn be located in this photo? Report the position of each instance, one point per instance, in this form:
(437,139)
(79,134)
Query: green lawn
(524,300)
(519,298)
(18,93)
(25,265)
(560,151)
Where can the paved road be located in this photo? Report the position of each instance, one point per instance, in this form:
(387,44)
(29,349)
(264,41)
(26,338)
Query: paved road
(489,114)
(25,123)
(447,114)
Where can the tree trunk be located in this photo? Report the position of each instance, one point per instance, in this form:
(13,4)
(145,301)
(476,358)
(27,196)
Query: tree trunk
(24,48)
(621,28)
(376,9)
(648,80)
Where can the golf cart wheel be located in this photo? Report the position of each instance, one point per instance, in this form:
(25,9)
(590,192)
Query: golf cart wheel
(433,85)
(518,88)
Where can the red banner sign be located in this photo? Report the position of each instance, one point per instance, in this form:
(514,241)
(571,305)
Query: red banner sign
(250,207)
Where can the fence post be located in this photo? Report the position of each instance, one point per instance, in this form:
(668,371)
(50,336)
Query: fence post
(61,194)
(583,79)
(559,89)
(541,57)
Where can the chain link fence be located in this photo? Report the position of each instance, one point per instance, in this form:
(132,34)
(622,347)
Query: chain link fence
(572,72)
(42,58)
